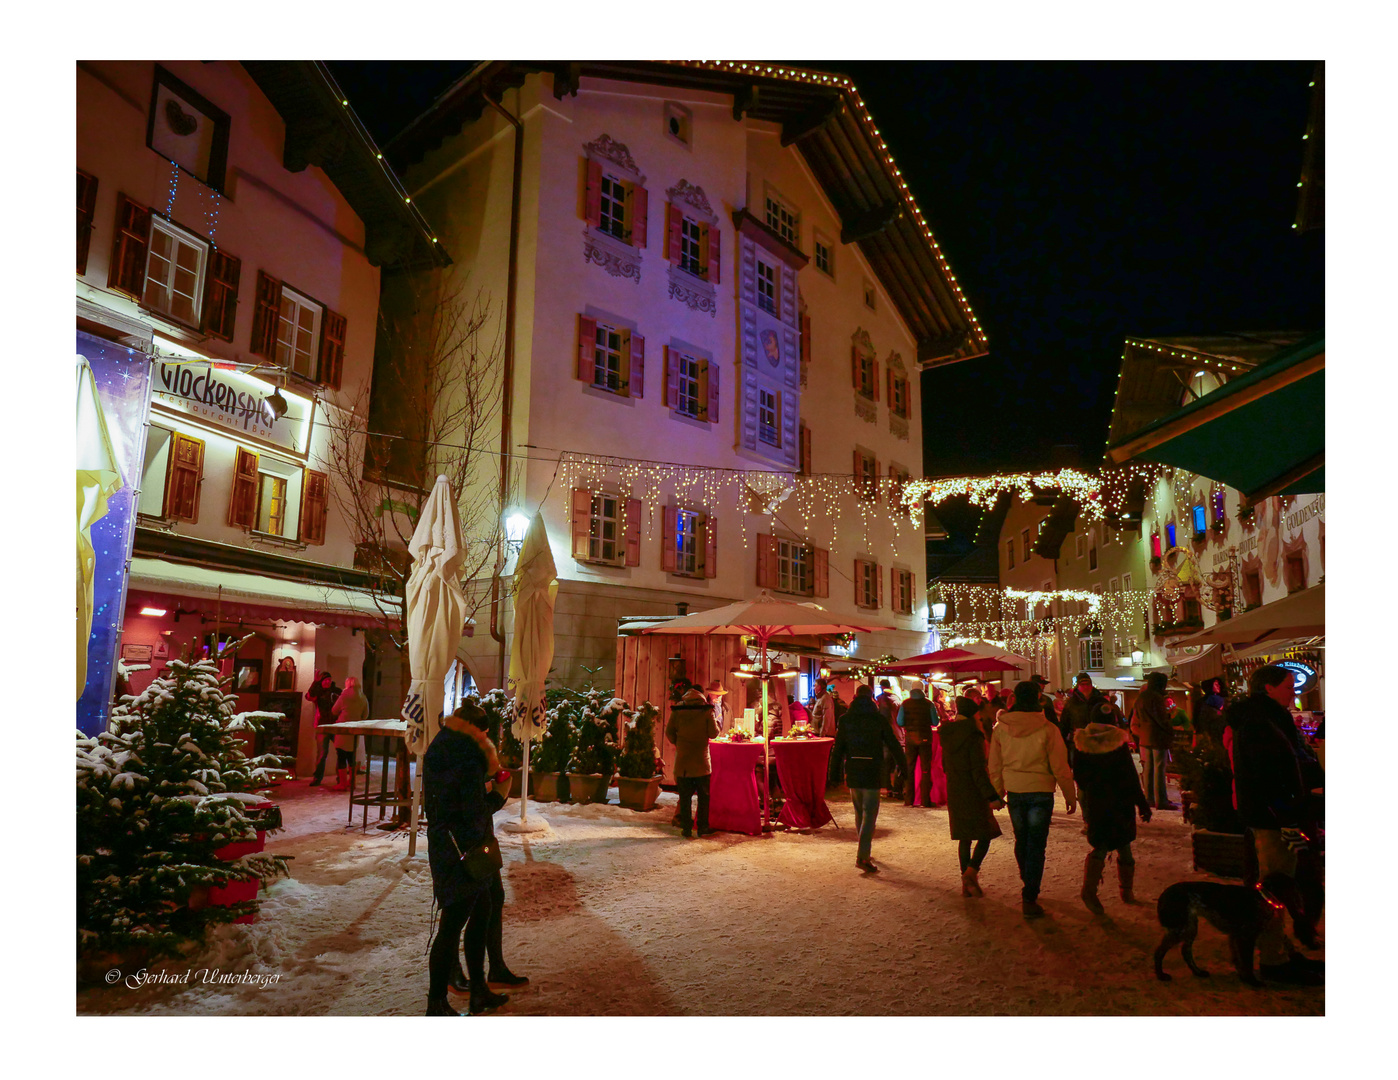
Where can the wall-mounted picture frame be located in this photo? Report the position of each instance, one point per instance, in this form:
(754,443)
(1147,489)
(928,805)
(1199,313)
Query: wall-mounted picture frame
(185,127)
(136,654)
(247,676)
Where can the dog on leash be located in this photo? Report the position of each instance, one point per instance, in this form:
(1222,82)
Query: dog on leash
(1240,911)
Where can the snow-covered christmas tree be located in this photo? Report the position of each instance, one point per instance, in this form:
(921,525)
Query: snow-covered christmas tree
(158,793)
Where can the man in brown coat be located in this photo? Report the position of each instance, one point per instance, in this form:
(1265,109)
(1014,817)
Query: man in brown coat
(1151,727)
(692,724)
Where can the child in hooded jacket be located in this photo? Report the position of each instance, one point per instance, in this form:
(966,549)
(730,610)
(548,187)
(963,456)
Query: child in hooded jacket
(1111,793)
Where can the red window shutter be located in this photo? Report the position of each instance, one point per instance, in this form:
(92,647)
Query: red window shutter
(640,213)
(221,295)
(633,532)
(183,478)
(674,230)
(805,347)
(876,380)
(87,202)
(821,577)
(859,582)
(766,561)
(315,492)
(888,378)
(582,522)
(874,481)
(711,267)
(712,415)
(587,346)
(854,365)
(242,506)
(710,546)
(878,585)
(672,378)
(667,539)
(636,374)
(593,200)
(127,272)
(859,470)
(266,315)
(332,349)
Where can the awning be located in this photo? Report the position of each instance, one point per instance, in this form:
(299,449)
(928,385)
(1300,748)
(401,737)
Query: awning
(1262,433)
(251,597)
(1302,614)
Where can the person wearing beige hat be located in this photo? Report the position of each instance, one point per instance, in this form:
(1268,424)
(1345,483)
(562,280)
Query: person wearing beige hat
(715,692)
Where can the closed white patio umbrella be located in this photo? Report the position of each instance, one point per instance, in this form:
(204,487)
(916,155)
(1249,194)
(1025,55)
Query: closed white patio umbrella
(436,616)
(531,651)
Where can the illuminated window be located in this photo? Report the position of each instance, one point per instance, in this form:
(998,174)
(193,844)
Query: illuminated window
(1155,544)
(1090,654)
(1201,520)
(174,272)
(688,544)
(298,330)
(1170,534)
(278,497)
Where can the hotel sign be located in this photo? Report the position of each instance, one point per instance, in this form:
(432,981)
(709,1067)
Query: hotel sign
(234,402)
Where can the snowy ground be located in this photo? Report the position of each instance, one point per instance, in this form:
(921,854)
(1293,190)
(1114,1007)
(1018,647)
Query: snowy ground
(612,912)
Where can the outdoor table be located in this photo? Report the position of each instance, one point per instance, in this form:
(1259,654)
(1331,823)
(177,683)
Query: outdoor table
(362,729)
(803,765)
(734,803)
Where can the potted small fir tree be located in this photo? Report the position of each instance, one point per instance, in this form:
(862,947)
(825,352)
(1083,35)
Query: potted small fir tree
(638,784)
(594,753)
(555,748)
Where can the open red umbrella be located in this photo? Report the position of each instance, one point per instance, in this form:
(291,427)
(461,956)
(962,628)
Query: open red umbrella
(969,659)
(765,617)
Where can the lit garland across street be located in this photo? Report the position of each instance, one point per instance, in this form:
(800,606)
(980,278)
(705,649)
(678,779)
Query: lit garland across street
(985,491)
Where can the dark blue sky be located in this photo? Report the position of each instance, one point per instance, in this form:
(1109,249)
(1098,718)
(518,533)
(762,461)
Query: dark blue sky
(1079,204)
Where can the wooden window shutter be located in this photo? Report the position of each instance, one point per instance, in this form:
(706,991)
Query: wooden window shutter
(633,532)
(183,478)
(87,203)
(711,370)
(854,365)
(859,582)
(909,579)
(859,469)
(332,349)
(878,585)
(640,214)
(242,506)
(587,349)
(874,480)
(582,522)
(668,559)
(127,272)
(766,561)
(876,380)
(266,316)
(636,373)
(888,378)
(805,348)
(674,231)
(804,455)
(221,295)
(672,378)
(593,198)
(821,577)
(710,546)
(315,492)
(713,261)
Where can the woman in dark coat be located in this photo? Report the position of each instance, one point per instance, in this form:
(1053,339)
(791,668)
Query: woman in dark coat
(1110,790)
(970,795)
(459,804)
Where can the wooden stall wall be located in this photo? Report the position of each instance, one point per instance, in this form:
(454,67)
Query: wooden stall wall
(643,674)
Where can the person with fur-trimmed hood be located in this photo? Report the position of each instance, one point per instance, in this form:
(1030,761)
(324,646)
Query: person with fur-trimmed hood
(1111,795)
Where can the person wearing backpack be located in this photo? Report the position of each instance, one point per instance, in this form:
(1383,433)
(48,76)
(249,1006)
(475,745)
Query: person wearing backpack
(1154,734)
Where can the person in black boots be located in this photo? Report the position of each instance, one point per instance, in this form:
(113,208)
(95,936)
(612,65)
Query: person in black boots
(915,718)
(458,798)
(322,695)
(1109,789)
(500,973)
(970,795)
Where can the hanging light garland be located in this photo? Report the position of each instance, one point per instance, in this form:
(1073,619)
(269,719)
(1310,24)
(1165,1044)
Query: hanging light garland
(985,491)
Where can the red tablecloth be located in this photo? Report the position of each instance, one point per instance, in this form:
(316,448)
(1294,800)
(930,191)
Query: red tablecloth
(803,765)
(734,803)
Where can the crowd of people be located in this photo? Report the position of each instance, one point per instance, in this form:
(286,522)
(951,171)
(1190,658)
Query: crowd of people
(981,753)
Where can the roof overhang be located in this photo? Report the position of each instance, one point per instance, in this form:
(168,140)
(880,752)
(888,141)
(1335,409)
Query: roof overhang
(322,130)
(823,116)
(1262,433)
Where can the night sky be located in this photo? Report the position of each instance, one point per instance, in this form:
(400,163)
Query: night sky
(1079,204)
